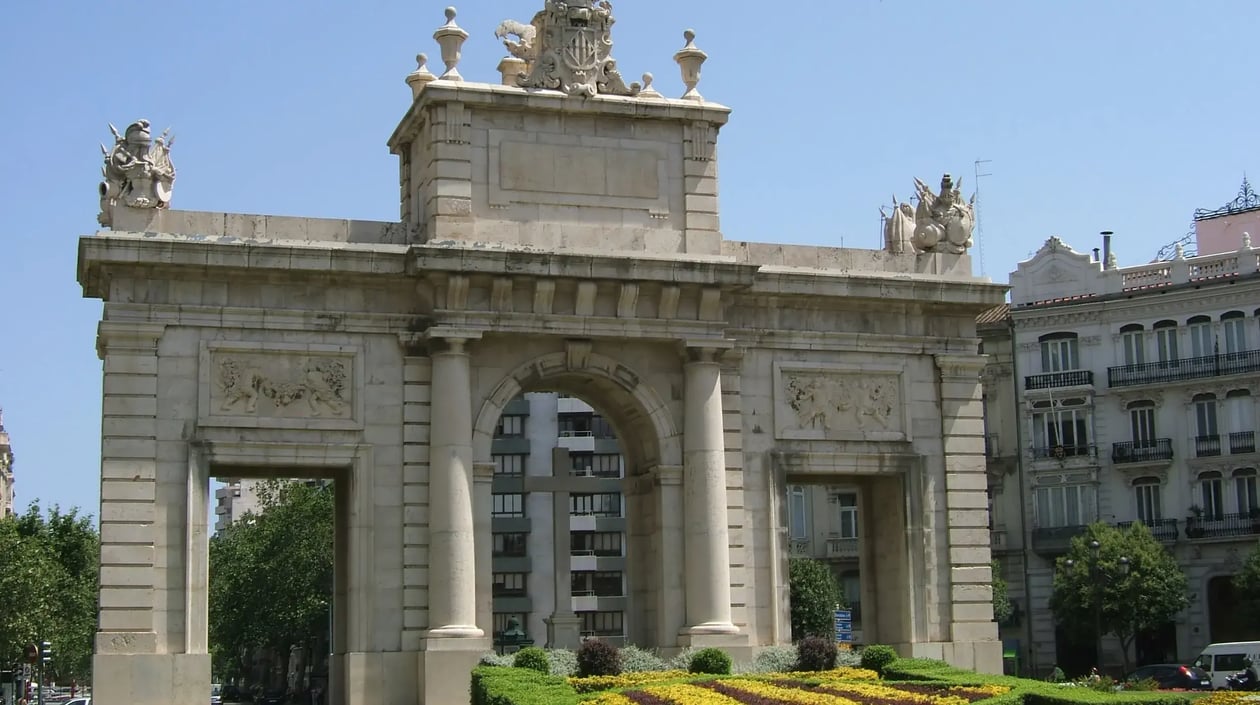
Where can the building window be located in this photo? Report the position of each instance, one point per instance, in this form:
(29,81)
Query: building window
(848,514)
(1166,340)
(572,425)
(1061,427)
(509,465)
(503,619)
(1201,342)
(1059,352)
(596,464)
(797,521)
(1234,326)
(508,505)
(1205,415)
(1245,491)
(1239,410)
(1150,504)
(601,623)
(1066,505)
(1212,495)
(510,426)
(1142,423)
(508,545)
(1133,342)
(597,584)
(595,543)
(599,504)
(508,584)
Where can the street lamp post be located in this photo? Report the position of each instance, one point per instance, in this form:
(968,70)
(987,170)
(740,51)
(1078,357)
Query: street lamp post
(1096,584)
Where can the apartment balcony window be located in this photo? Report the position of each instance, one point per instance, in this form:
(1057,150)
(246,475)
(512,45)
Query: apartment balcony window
(1174,370)
(508,584)
(508,545)
(1053,380)
(507,505)
(509,465)
(595,543)
(1207,446)
(1147,451)
(595,465)
(510,427)
(1062,452)
(1060,428)
(1164,530)
(1242,442)
(1222,526)
(1060,364)
(602,624)
(597,504)
(597,584)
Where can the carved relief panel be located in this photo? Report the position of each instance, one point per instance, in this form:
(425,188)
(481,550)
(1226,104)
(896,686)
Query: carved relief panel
(279,385)
(833,402)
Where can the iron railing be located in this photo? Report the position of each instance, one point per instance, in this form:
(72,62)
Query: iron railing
(1164,530)
(1211,526)
(1179,370)
(1050,380)
(1055,540)
(1153,450)
(1207,446)
(1242,442)
(1061,452)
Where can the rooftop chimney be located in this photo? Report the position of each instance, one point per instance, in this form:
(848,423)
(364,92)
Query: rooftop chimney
(1106,252)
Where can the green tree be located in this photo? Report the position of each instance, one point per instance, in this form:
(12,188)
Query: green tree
(1002,607)
(813,594)
(48,580)
(1146,596)
(271,576)
(1247,588)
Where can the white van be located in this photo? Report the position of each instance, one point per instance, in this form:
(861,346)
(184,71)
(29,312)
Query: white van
(1227,658)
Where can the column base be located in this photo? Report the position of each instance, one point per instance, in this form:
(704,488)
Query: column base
(564,631)
(445,669)
(455,631)
(151,679)
(736,645)
(374,677)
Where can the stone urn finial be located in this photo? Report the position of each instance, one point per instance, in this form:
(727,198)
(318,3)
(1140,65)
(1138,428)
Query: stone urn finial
(419,78)
(1246,241)
(690,59)
(648,91)
(450,37)
(1180,252)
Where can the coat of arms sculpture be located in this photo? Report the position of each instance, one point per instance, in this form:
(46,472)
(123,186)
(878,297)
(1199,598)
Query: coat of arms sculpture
(568,47)
(138,170)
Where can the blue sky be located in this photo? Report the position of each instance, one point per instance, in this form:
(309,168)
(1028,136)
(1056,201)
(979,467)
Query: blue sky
(1118,115)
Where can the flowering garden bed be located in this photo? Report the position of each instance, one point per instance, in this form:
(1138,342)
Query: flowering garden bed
(906,682)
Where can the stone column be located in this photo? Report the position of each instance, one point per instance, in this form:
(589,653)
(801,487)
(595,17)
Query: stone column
(706,536)
(669,480)
(452,554)
(972,629)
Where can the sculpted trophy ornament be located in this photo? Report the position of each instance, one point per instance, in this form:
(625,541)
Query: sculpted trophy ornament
(567,47)
(943,222)
(138,170)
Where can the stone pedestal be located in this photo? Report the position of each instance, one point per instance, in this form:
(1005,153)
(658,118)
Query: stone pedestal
(736,645)
(151,679)
(444,668)
(564,631)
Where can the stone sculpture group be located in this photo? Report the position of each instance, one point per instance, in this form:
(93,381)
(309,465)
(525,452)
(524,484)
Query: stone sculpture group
(941,223)
(138,170)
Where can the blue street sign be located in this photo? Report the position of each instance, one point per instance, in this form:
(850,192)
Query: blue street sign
(844,626)
(846,615)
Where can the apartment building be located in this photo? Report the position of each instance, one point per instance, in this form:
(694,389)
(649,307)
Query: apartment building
(1128,394)
(823,524)
(6,471)
(233,499)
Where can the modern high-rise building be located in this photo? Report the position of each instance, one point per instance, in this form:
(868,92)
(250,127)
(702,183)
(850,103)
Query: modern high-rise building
(233,499)
(6,471)
(1122,395)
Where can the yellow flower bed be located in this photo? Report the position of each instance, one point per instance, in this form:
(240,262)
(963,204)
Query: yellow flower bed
(684,694)
(786,695)
(1229,697)
(843,673)
(591,684)
(872,690)
(611,698)
(990,689)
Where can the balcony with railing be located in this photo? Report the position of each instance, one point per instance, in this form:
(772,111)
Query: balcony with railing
(1206,446)
(1055,540)
(1180,370)
(1164,530)
(1242,442)
(1064,451)
(1216,526)
(1155,450)
(1054,380)
(843,548)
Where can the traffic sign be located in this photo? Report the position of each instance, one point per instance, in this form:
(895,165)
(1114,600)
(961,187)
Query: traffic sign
(844,626)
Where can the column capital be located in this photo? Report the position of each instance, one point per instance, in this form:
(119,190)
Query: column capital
(454,339)
(705,350)
(483,473)
(961,367)
(119,337)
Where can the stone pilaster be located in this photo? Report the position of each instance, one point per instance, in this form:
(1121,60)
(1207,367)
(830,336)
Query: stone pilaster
(703,232)
(452,554)
(966,502)
(706,535)
(483,508)
(417,412)
(671,616)
(447,185)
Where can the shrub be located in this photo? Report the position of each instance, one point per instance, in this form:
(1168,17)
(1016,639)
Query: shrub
(519,686)
(494,658)
(563,662)
(813,594)
(597,658)
(533,658)
(636,660)
(682,660)
(710,660)
(848,657)
(815,653)
(877,657)
(774,659)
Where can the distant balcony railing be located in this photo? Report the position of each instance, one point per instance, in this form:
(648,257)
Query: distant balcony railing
(1050,380)
(1242,442)
(1153,450)
(1207,446)
(1054,541)
(1164,530)
(1061,452)
(842,548)
(1212,526)
(1179,370)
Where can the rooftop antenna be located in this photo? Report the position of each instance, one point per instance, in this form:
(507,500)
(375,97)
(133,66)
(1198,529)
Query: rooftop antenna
(979,227)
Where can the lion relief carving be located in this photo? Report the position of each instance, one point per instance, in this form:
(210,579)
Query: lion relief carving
(831,402)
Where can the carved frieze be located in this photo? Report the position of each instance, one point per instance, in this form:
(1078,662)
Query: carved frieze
(279,383)
(840,403)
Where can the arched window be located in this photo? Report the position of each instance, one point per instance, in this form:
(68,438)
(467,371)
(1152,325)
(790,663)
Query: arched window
(1133,344)
(1149,497)
(1211,495)
(1202,342)
(1245,491)
(1166,340)
(1234,328)
(1142,424)
(1059,352)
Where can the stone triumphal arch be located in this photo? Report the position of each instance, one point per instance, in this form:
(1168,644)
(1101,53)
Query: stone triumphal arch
(557,231)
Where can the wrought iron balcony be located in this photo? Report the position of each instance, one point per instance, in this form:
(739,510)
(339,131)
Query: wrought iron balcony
(1164,530)
(1054,541)
(1180,370)
(1242,442)
(1061,452)
(1215,526)
(1051,380)
(1152,451)
(1207,446)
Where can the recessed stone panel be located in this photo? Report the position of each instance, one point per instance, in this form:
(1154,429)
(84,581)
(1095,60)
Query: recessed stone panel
(840,402)
(259,384)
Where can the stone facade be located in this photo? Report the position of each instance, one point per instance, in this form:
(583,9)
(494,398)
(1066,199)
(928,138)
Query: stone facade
(547,242)
(6,471)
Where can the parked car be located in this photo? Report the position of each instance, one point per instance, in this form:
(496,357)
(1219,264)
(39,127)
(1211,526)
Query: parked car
(1173,675)
(79,701)
(1225,659)
(216,694)
(272,697)
(231,694)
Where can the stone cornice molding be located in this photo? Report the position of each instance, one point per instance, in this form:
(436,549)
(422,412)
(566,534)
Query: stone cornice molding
(1057,319)
(128,338)
(1136,308)
(967,368)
